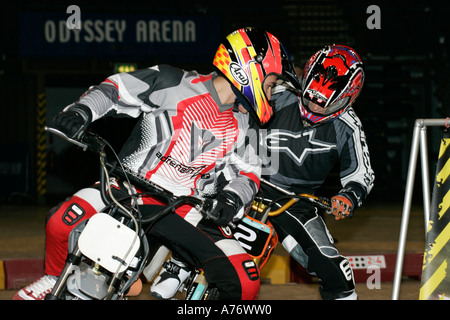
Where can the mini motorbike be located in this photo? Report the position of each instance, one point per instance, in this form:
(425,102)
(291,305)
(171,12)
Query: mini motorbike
(108,252)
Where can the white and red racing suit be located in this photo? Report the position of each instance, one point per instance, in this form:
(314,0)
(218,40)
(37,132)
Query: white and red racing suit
(186,141)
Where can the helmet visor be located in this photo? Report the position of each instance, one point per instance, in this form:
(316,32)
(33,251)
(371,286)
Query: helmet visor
(318,109)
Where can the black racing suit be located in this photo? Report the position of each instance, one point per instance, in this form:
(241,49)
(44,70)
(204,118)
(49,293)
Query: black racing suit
(298,157)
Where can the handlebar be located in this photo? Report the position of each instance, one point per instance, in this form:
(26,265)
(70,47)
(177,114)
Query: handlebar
(318,201)
(89,140)
(321,202)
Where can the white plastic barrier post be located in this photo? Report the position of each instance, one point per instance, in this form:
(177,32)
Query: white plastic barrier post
(419,137)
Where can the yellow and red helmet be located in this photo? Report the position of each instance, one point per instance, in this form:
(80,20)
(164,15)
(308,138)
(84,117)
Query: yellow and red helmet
(246,57)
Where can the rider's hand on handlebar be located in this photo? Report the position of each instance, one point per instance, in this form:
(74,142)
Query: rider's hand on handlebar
(341,207)
(223,208)
(74,121)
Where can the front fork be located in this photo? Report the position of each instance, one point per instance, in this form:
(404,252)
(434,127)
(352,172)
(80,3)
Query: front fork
(72,260)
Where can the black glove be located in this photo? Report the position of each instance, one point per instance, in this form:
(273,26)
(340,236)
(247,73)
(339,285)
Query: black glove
(223,208)
(74,121)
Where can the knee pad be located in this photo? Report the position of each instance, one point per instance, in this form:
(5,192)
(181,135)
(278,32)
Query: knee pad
(61,220)
(248,274)
(247,280)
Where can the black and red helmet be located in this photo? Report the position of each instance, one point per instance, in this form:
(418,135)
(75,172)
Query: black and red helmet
(332,78)
(246,57)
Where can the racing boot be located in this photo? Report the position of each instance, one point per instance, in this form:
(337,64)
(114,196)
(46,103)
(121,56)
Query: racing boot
(37,290)
(171,277)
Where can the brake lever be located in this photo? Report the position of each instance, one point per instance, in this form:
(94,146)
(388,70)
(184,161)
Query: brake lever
(65,137)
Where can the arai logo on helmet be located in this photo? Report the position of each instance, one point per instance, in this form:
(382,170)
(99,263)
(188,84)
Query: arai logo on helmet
(239,74)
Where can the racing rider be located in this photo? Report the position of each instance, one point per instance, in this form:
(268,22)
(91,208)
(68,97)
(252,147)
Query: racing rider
(191,119)
(309,134)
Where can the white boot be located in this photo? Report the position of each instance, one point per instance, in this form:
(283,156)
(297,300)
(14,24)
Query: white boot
(172,275)
(37,290)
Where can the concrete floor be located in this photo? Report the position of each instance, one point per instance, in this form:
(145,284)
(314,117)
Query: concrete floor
(373,230)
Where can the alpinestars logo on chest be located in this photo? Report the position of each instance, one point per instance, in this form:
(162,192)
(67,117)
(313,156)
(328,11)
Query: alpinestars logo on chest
(297,145)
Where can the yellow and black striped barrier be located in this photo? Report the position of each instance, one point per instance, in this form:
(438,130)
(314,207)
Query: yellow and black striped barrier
(436,271)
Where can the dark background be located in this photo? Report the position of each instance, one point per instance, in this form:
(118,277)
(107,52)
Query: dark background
(407,78)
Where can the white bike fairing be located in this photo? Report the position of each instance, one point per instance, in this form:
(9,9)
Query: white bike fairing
(108,242)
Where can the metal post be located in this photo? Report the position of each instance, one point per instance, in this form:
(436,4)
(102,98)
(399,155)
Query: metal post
(419,131)
(425,175)
(406,211)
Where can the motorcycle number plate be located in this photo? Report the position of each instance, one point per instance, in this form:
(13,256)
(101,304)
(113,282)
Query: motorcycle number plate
(108,242)
(253,235)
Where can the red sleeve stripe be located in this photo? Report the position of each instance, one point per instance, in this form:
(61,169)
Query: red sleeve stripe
(251,176)
(115,84)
